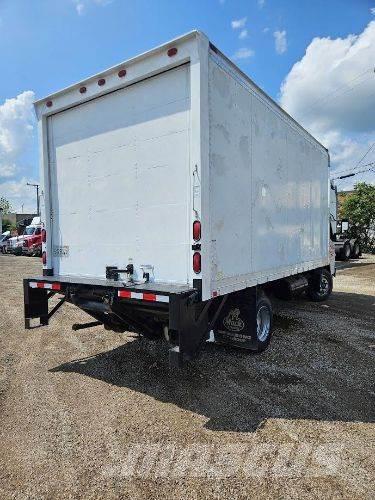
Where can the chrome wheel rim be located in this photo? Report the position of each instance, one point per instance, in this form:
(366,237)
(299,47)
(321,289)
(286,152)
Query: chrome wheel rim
(323,286)
(263,323)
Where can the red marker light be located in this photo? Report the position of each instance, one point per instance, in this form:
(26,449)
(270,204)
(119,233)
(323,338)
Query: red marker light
(197,230)
(49,104)
(44,235)
(197,262)
(44,258)
(172,52)
(121,73)
(82,90)
(101,82)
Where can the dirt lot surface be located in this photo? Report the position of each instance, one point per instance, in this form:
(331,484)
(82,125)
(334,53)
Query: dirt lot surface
(95,414)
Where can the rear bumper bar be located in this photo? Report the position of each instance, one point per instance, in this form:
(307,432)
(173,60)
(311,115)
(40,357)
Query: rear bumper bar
(140,308)
(150,292)
(116,304)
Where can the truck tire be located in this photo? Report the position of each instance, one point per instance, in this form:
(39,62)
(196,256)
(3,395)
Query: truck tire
(356,250)
(264,322)
(320,286)
(346,251)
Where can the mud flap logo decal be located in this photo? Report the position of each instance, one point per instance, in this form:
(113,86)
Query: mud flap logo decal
(233,322)
(236,324)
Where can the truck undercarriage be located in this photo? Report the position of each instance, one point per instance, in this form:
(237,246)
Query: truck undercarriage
(239,319)
(175,311)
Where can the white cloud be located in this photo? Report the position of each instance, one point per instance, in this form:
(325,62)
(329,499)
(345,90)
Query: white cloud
(261,3)
(19,194)
(82,5)
(280,41)
(16,124)
(80,8)
(330,91)
(243,34)
(265,30)
(238,23)
(8,170)
(243,53)
(372,10)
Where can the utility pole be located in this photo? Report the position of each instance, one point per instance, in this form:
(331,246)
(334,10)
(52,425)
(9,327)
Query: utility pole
(37,196)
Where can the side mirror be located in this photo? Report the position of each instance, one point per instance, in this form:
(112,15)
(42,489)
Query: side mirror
(344,226)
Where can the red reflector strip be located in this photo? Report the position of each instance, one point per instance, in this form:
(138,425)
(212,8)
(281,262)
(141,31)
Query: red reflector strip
(151,297)
(47,286)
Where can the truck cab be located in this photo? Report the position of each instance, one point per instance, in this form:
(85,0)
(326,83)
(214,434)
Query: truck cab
(32,241)
(3,241)
(345,247)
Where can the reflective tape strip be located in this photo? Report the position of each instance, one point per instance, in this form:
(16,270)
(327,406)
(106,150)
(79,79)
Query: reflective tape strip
(150,297)
(47,286)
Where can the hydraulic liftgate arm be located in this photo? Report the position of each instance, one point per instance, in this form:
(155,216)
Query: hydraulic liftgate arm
(36,304)
(190,322)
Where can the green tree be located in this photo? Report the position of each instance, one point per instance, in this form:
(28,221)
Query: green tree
(5,205)
(359,209)
(8,225)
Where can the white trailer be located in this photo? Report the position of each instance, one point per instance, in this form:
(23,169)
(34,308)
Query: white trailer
(207,192)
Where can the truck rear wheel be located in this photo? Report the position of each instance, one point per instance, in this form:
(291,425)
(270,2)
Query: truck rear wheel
(346,251)
(264,322)
(320,286)
(356,250)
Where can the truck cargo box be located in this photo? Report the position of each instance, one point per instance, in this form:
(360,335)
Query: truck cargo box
(174,171)
(132,161)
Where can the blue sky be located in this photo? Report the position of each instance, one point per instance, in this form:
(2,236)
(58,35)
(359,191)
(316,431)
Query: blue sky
(47,45)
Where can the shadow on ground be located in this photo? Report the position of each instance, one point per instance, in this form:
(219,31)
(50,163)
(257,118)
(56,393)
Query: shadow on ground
(320,367)
(349,264)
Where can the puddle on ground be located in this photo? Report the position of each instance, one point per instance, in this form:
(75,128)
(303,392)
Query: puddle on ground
(284,322)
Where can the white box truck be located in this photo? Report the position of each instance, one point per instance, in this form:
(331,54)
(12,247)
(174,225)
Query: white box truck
(208,197)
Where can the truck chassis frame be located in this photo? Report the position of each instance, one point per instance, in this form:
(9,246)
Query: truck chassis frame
(189,320)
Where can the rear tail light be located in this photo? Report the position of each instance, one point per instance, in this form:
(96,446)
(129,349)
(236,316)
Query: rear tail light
(44,235)
(197,262)
(44,258)
(172,52)
(196,230)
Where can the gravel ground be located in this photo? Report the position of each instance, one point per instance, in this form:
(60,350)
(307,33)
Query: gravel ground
(96,414)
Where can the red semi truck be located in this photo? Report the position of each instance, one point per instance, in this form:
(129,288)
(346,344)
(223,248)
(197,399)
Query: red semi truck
(32,244)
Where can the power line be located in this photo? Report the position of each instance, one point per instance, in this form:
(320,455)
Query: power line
(352,174)
(358,163)
(342,87)
(367,152)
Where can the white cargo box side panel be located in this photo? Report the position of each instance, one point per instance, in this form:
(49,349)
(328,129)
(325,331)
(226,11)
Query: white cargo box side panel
(268,187)
(120,180)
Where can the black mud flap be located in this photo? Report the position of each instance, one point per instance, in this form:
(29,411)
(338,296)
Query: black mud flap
(190,322)
(237,324)
(35,304)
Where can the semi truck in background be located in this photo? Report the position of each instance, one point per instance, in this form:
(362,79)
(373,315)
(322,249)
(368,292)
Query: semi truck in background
(211,195)
(25,229)
(345,247)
